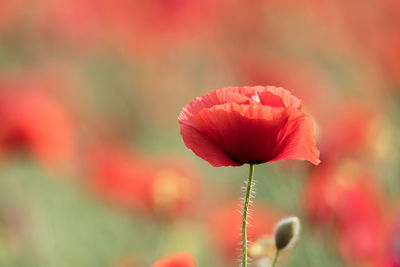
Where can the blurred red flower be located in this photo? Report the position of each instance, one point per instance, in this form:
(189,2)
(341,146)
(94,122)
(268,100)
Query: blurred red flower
(348,199)
(130,181)
(182,259)
(136,27)
(225,226)
(33,121)
(237,125)
(350,131)
(362,229)
(172,22)
(10,12)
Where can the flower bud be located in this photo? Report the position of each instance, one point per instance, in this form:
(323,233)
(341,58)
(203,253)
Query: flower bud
(287,232)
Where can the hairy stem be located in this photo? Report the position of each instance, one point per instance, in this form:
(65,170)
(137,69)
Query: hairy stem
(245,211)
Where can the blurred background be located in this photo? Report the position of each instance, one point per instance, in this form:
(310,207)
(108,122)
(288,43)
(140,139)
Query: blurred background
(93,171)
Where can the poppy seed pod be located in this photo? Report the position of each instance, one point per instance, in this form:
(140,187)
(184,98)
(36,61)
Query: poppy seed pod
(287,232)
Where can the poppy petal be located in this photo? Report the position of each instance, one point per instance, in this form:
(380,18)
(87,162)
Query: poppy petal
(204,148)
(288,99)
(297,139)
(240,133)
(265,92)
(216,97)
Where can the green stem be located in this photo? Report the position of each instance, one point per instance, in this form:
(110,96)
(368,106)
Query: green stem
(245,211)
(276,258)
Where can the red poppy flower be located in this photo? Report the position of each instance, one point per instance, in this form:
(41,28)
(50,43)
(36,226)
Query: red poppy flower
(237,125)
(34,122)
(182,259)
(363,226)
(347,198)
(118,177)
(129,181)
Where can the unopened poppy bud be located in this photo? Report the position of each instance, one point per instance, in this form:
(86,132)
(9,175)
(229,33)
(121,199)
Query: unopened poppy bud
(287,232)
